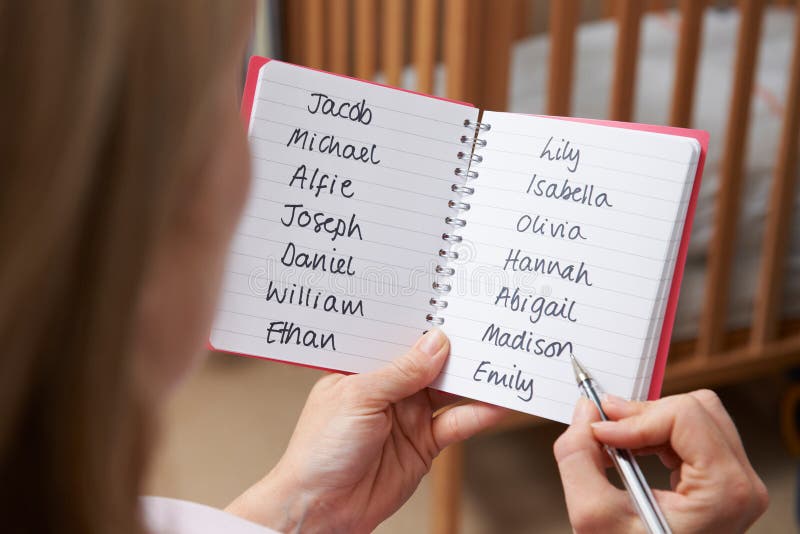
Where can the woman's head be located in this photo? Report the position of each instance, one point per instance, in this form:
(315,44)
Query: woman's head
(124,169)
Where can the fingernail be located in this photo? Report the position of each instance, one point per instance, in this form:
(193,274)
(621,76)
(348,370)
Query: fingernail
(600,425)
(432,342)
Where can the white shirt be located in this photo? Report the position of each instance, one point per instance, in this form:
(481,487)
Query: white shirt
(172,516)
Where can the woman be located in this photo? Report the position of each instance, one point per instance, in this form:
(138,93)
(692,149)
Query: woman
(124,171)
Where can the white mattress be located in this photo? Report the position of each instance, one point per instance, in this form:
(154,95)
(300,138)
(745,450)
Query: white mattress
(593,71)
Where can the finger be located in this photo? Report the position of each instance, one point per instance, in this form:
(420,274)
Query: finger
(716,410)
(463,421)
(679,421)
(581,463)
(407,374)
(619,408)
(713,405)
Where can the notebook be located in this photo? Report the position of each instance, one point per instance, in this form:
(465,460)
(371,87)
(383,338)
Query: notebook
(375,213)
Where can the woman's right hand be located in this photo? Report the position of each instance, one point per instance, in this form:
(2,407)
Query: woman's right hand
(714,487)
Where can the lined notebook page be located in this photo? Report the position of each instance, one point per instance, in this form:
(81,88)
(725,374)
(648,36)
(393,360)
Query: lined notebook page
(332,263)
(569,246)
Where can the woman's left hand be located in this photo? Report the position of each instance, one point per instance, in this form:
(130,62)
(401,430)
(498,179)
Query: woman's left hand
(362,445)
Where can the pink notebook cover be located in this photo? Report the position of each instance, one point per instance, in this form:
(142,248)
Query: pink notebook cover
(672,304)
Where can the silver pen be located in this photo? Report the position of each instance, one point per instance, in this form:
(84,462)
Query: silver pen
(625,462)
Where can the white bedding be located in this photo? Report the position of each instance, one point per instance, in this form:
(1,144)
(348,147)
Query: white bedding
(593,71)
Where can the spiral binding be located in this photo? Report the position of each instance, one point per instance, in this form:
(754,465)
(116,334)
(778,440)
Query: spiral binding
(458,204)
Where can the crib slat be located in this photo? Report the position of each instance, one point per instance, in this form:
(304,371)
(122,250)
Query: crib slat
(425,25)
(629,15)
(394,14)
(779,216)
(494,75)
(293,40)
(339,36)
(714,315)
(314,55)
(366,40)
(478,33)
(456,41)
(563,21)
(686,64)
(522,18)
(609,8)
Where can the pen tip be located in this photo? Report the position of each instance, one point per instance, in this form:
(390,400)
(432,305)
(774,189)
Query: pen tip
(574,360)
(580,373)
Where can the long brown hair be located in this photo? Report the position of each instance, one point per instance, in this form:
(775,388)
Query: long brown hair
(104,119)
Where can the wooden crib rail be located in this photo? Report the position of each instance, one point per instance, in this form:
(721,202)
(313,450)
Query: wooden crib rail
(563,23)
(720,254)
(338,37)
(629,15)
(456,49)
(686,62)
(393,27)
(313,15)
(365,37)
(426,21)
(779,217)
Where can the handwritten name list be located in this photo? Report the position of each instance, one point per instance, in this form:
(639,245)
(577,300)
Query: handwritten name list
(332,263)
(572,231)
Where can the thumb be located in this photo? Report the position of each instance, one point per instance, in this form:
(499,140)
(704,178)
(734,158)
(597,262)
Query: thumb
(409,373)
(593,503)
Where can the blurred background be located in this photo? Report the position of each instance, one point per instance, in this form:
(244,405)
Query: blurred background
(732,68)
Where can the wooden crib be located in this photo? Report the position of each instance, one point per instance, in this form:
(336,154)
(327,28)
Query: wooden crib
(363,37)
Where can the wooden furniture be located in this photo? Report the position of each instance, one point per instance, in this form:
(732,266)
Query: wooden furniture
(362,37)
